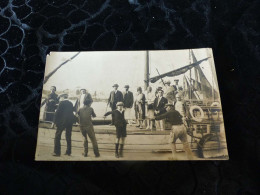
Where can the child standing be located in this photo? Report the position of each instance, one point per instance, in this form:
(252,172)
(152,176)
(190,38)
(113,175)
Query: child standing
(120,123)
(86,127)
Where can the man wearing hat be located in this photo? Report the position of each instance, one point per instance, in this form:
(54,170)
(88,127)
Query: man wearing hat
(159,108)
(176,84)
(179,106)
(64,118)
(120,123)
(114,97)
(128,100)
(86,127)
(178,130)
(84,95)
(170,92)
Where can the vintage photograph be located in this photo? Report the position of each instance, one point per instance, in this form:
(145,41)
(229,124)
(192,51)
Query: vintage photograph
(158,105)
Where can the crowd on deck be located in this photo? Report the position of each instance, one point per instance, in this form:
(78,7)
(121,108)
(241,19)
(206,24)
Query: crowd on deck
(151,110)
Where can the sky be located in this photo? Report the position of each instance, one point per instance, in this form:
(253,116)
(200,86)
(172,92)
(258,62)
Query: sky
(98,71)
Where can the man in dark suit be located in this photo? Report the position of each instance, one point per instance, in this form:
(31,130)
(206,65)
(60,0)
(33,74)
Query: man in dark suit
(84,96)
(115,96)
(159,108)
(128,100)
(64,118)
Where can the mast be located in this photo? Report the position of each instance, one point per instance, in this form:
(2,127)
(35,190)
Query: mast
(146,71)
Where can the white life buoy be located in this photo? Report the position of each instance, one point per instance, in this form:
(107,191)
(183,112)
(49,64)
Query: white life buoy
(198,119)
(215,104)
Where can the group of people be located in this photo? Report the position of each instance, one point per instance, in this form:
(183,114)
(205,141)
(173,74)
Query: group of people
(154,107)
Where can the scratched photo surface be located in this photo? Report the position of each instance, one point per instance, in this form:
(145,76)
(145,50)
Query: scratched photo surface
(158,105)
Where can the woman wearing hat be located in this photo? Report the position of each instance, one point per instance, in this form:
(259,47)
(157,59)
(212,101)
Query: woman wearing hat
(118,119)
(150,109)
(51,105)
(140,107)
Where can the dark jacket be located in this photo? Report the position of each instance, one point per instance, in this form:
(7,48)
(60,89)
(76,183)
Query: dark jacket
(64,115)
(128,99)
(87,97)
(172,116)
(118,117)
(119,121)
(51,105)
(114,98)
(85,115)
(161,106)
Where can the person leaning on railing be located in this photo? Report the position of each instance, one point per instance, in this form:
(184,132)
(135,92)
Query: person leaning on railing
(178,130)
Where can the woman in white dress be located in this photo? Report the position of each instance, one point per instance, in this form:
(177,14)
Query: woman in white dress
(140,107)
(150,97)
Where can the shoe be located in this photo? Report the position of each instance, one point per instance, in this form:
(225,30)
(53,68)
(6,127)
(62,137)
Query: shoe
(121,147)
(68,154)
(147,128)
(98,155)
(137,125)
(54,154)
(116,151)
(85,154)
(111,124)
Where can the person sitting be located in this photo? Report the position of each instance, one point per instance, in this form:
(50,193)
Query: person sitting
(120,123)
(86,127)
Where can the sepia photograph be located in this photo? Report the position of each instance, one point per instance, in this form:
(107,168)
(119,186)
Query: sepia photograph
(156,105)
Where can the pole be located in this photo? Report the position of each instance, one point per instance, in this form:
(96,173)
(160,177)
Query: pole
(146,71)
(55,70)
(160,76)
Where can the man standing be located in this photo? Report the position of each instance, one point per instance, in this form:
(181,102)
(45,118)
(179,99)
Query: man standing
(179,106)
(159,107)
(86,127)
(128,100)
(84,95)
(120,123)
(176,83)
(64,118)
(178,130)
(115,96)
(169,92)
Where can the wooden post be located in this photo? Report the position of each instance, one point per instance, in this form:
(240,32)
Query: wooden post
(146,71)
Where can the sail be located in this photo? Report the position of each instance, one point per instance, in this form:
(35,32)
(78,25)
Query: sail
(206,87)
(177,72)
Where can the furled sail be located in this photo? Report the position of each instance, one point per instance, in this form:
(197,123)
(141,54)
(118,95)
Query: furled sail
(177,72)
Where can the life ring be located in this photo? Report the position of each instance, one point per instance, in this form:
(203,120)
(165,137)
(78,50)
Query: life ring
(215,104)
(198,119)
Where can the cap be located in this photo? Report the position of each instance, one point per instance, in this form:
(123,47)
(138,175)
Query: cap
(178,95)
(115,85)
(139,88)
(119,104)
(63,95)
(83,89)
(168,81)
(126,86)
(169,105)
(159,89)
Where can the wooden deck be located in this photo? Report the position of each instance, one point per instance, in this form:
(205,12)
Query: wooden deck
(139,145)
